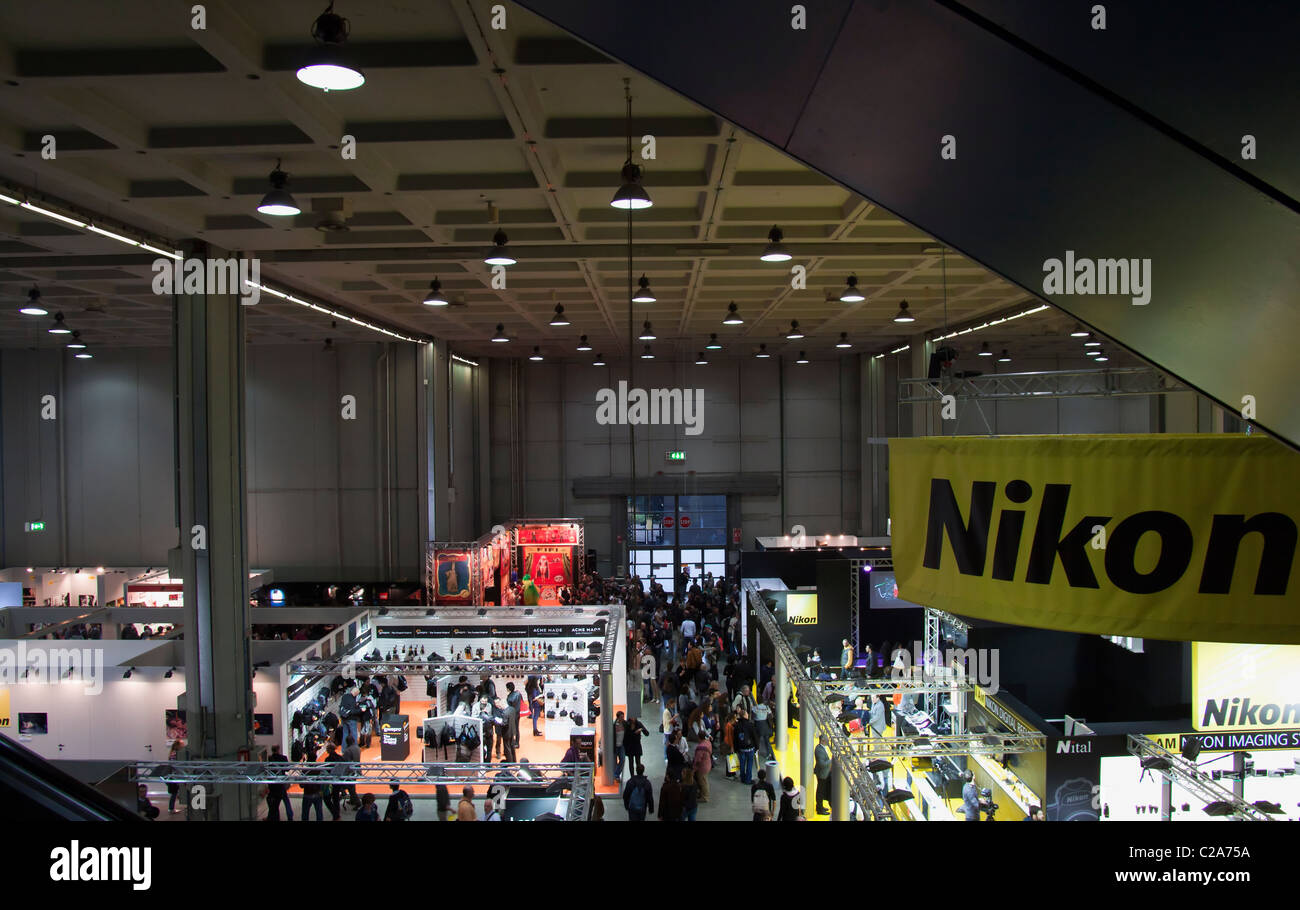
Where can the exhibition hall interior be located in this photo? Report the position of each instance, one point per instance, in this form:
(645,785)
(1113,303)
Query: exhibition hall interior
(569,411)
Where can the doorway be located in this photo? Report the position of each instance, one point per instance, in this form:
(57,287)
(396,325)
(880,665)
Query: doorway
(669,533)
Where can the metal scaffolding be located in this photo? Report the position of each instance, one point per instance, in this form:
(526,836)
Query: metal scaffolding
(579,778)
(992,744)
(1045,384)
(1187,775)
(862,787)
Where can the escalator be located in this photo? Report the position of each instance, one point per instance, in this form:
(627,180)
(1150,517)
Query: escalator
(1125,137)
(32,789)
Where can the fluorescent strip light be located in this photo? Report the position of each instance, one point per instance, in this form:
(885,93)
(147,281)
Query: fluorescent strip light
(991,323)
(463,360)
(110,235)
(10,199)
(55,215)
(174,254)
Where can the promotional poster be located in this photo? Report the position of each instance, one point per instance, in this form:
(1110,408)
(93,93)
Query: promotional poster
(451,575)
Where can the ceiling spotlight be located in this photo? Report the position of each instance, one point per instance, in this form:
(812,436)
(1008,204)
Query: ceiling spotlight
(76,343)
(794,334)
(700,359)
(643,293)
(844,341)
(713,344)
(851,294)
(733,316)
(500,335)
(1079,331)
(499,255)
(59,328)
(435,297)
(647,354)
(762,353)
(129,671)
(1092,343)
(599,361)
(83,355)
(329,346)
(647,333)
(33,307)
(775,251)
(1004,357)
(903,314)
(1101,357)
(803,358)
(536,355)
(278,201)
(631,195)
(327,67)
(168,674)
(582,344)
(985,350)
(558,319)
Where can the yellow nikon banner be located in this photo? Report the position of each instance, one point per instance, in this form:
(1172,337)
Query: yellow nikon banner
(1189,538)
(801,609)
(1245,687)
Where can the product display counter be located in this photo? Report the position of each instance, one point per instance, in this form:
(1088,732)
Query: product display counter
(1004,783)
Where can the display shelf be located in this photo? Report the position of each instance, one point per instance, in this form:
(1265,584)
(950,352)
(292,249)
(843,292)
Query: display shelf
(1011,785)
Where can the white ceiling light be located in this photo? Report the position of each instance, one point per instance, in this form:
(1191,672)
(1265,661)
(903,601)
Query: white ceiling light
(794,334)
(903,314)
(851,294)
(647,354)
(1092,343)
(803,358)
(700,359)
(762,353)
(499,254)
(714,344)
(1004,357)
(733,316)
(775,251)
(33,306)
(631,195)
(327,66)
(558,319)
(985,350)
(536,355)
(59,328)
(76,344)
(500,336)
(844,341)
(435,297)
(582,344)
(599,361)
(1079,331)
(278,201)
(643,293)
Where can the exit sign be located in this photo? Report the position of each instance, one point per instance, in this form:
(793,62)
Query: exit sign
(674,456)
(34,526)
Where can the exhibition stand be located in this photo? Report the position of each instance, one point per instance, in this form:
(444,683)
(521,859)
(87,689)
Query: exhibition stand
(550,552)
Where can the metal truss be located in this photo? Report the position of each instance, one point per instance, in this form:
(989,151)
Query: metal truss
(1046,384)
(869,747)
(914,685)
(930,654)
(1192,779)
(439,668)
(855,577)
(863,788)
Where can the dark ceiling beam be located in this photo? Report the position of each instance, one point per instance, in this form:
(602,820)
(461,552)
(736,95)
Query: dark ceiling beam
(616,127)
(421,54)
(55,63)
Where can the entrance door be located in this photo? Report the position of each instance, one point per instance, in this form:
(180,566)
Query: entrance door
(672,533)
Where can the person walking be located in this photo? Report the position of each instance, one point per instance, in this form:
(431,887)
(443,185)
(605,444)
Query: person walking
(648,675)
(792,802)
(762,798)
(465,808)
(822,771)
(278,793)
(746,737)
(702,765)
(762,713)
(534,690)
(638,795)
(690,796)
(514,707)
(670,799)
(620,753)
(632,733)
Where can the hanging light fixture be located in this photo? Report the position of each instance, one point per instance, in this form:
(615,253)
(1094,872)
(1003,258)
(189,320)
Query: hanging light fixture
(1101,357)
(851,294)
(33,306)
(903,314)
(762,353)
(536,355)
(647,333)
(775,251)
(803,358)
(1004,357)
(643,293)
(278,201)
(794,334)
(435,297)
(59,328)
(631,195)
(83,355)
(844,341)
(733,316)
(599,361)
(985,350)
(329,347)
(713,344)
(582,344)
(1092,343)
(558,319)
(499,254)
(700,359)
(647,354)
(327,67)
(76,344)
(500,336)
(1079,331)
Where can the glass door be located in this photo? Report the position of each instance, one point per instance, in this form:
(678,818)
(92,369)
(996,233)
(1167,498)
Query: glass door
(669,534)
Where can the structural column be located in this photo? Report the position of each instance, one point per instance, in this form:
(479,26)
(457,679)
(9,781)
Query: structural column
(213,553)
(1166,799)
(781,688)
(607,728)
(807,743)
(839,791)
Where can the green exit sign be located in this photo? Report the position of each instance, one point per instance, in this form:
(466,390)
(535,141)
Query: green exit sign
(674,456)
(35,526)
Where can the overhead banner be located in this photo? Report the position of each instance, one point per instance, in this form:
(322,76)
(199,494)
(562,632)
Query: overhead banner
(1185,538)
(1245,687)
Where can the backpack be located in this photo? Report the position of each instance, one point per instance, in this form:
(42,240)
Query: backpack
(636,801)
(468,736)
(401,684)
(761,802)
(404,804)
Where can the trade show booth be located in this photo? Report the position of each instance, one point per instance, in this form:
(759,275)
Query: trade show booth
(526,562)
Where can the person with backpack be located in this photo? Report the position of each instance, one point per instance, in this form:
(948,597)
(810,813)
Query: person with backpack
(638,795)
(762,798)
(490,812)
(792,802)
(670,799)
(822,771)
(368,812)
(400,808)
(746,735)
(702,764)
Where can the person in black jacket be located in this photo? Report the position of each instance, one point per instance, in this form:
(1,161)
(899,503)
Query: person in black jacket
(746,737)
(638,795)
(278,793)
(632,742)
(335,791)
